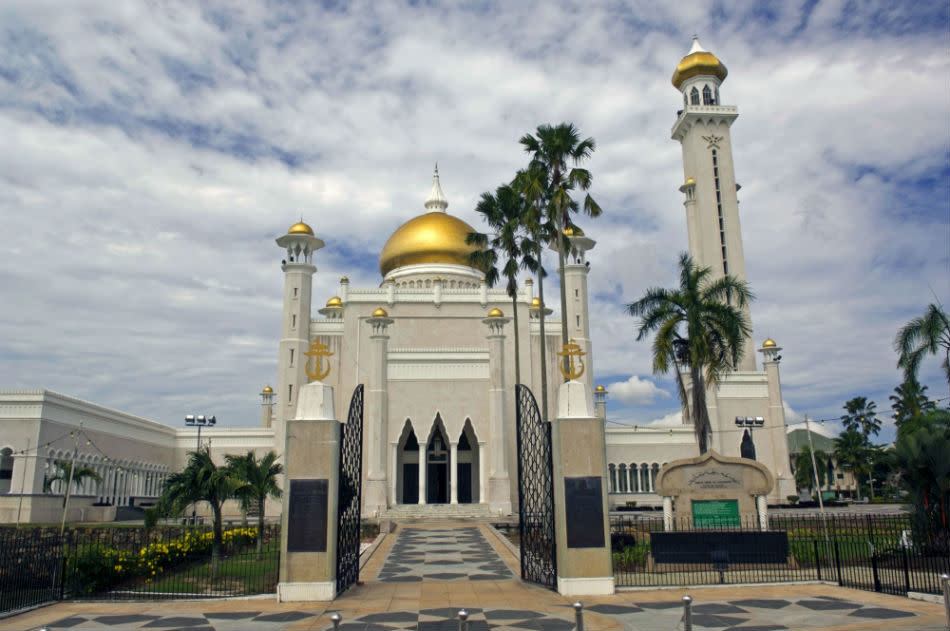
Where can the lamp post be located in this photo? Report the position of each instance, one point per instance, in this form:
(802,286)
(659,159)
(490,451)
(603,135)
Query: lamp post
(199,421)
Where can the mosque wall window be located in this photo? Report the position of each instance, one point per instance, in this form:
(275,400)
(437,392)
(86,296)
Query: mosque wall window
(708,96)
(694,96)
(291,357)
(290,393)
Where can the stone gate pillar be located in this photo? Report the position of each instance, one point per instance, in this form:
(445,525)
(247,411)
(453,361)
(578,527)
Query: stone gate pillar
(377,411)
(308,535)
(499,486)
(580,495)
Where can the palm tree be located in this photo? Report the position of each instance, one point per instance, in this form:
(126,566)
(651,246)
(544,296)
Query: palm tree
(926,335)
(504,212)
(923,459)
(700,327)
(66,470)
(257,480)
(804,472)
(861,415)
(200,481)
(551,150)
(853,454)
(910,402)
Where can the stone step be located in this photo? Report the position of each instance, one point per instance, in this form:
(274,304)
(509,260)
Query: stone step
(436,511)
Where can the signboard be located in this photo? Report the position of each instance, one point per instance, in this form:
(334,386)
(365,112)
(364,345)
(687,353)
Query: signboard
(716,514)
(307,517)
(584,512)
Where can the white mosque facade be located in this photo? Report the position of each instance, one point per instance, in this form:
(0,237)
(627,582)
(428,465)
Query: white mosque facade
(434,347)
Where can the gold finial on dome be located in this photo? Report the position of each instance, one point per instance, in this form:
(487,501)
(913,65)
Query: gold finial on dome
(380,313)
(495,313)
(768,343)
(267,390)
(300,228)
(335,302)
(599,389)
(698,61)
(535,302)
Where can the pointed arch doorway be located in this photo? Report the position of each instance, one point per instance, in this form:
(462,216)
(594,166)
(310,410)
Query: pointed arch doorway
(437,464)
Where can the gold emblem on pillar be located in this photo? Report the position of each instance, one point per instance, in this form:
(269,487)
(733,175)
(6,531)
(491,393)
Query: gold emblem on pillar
(572,350)
(315,355)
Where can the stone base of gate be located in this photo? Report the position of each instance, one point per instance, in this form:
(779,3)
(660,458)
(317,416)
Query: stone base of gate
(587,586)
(301,592)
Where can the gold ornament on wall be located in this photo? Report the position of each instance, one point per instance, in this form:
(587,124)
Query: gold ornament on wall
(317,352)
(572,350)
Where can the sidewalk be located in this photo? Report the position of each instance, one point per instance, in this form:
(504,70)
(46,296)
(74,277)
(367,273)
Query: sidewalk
(420,577)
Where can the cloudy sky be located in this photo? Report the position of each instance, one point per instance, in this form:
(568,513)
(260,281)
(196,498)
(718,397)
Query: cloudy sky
(152,152)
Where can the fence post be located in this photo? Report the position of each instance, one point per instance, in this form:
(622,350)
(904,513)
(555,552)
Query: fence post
(838,565)
(463,620)
(877,579)
(579,615)
(335,619)
(817,558)
(906,569)
(945,579)
(687,613)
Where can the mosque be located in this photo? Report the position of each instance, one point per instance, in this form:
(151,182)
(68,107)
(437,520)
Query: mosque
(436,349)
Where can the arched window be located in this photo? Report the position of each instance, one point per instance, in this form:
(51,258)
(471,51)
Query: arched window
(6,470)
(613,478)
(623,478)
(707,96)
(694,96)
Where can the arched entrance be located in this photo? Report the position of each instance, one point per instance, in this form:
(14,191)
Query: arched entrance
(407,470)
(437,464)
(467,466)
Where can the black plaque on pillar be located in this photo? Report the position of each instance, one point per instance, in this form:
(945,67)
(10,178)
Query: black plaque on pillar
(307,517)
(584,512)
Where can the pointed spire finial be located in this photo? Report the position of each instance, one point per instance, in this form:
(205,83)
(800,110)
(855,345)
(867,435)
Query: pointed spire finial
(436,200)
(696,47)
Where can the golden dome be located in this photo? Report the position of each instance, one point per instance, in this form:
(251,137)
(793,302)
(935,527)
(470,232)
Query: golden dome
(698,62)
(535,302)
(434,237)
(267,390)
(495,313)
(768,343)
(300,228)
(599,388)
(380,313)
(335,302)
(344,279)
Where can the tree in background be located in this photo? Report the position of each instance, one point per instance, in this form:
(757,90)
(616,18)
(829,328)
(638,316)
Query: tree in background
(80,473)
(853,453)
(926,335)
(700,327)
(862,416)
(200,481)
(805,473)
(256,481)
(505,213)
(922,457)
(551,150)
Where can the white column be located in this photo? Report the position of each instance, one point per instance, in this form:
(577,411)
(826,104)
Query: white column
(482,474)
(377,408)
(639,480)
(499,484)
(422,473)
(394,467)
(650,478)
(453,472)
(762,504)
(667,513)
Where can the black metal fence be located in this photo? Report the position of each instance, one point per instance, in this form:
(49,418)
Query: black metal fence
(37,565)
(875,552)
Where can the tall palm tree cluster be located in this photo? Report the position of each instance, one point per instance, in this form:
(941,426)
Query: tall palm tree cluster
(245,478)
(533,212)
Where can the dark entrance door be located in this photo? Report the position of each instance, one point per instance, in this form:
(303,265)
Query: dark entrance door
(410,483)
(437,493)
(465,483)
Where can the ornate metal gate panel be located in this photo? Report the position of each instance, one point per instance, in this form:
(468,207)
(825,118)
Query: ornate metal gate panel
(351,475)
(535,493)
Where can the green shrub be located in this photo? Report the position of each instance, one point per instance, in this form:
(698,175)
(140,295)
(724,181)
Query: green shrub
(791,498)
(631,557)
(151,517)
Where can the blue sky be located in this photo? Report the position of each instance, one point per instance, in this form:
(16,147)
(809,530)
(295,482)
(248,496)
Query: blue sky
(153,151)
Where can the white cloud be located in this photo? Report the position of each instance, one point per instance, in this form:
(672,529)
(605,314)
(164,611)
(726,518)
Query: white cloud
(635,390)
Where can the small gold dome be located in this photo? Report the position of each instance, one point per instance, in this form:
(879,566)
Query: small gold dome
(380,313)
(300,228)
(599,388)
(434,237)
(335,302)
(573,231)
(267,390)
(768,343)
(344,279)
(495,313)
(535,302)
(690,180)
(698,62)
(528,281)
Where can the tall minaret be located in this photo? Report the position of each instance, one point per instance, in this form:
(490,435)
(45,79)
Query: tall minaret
(300,244)
(577,318)
(712,207)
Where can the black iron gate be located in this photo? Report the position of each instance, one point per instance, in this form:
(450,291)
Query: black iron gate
(535,493)
(351,474)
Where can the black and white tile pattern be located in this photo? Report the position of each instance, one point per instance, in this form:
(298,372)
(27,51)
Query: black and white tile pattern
(442,555)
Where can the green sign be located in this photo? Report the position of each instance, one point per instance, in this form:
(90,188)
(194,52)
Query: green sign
(716,514)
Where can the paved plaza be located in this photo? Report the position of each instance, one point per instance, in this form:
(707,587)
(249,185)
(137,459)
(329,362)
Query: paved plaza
(420,577)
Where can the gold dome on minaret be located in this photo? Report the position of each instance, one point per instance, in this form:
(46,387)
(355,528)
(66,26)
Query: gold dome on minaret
(300,228)
(698,61)
(435,237)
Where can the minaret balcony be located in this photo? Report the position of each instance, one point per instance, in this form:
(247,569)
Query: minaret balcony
(685,118)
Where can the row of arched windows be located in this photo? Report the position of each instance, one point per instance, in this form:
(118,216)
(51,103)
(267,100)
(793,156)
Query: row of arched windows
(633,477)
(710,96)
(427,284)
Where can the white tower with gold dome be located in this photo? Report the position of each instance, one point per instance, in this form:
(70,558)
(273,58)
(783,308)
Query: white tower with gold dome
(712,206)
(299,244)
